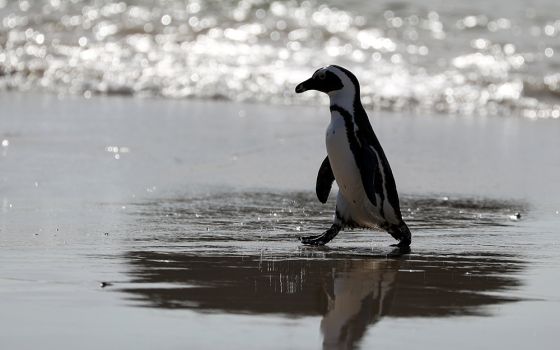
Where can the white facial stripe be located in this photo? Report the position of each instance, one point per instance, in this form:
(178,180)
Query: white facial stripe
(346,82)
(345,96)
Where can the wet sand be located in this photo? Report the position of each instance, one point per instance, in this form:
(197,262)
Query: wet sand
(173,224)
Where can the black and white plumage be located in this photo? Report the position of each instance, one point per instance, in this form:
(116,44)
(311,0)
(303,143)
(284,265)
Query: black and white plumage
(367,194)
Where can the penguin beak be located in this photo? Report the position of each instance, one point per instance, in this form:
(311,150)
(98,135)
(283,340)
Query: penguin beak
(309,84)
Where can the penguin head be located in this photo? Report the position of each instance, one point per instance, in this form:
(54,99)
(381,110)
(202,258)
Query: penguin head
(330,80)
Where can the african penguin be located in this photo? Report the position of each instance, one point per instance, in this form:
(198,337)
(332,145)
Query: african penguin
(367,196)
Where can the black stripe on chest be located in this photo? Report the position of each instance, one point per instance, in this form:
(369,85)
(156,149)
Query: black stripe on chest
(349,126)
(369,172)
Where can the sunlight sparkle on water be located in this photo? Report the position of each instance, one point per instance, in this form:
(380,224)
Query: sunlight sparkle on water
(183,51)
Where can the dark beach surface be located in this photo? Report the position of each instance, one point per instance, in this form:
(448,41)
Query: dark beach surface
(146,223)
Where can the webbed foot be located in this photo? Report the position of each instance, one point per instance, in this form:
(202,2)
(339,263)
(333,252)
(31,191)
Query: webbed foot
(402,244)
(402,234)
(323,238)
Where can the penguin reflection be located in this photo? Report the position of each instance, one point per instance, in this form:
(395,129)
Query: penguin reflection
(361,295)
(349,292)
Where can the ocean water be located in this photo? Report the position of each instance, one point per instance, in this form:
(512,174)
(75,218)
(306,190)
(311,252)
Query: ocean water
(475,57)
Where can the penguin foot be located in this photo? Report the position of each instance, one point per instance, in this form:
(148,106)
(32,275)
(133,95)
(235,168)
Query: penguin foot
(402,234)
(405,243)
(323,238)
(317,240)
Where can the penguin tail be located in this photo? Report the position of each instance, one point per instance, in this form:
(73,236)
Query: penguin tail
(401,233)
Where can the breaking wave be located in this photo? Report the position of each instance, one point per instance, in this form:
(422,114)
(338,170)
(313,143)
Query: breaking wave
(460,59)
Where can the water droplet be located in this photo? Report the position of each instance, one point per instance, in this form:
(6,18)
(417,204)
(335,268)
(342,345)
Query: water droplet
(509,49)
(82,41)
(469,21)
(40,39)
(166,20)
(549,30)
(260,13)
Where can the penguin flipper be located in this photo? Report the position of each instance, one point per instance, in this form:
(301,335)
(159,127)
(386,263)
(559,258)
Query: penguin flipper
(325,179)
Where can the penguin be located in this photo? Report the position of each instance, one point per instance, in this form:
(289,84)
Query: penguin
(367,196)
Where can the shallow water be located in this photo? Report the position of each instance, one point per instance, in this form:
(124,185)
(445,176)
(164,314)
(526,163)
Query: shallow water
(150,223)
(235,253)
(475,57)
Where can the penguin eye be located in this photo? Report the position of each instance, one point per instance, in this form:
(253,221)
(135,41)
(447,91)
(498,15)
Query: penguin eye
(322,75)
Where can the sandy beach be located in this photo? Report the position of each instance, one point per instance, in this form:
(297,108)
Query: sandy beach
(129,222)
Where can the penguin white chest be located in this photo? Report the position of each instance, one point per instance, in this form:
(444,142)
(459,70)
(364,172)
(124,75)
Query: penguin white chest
(343,163)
